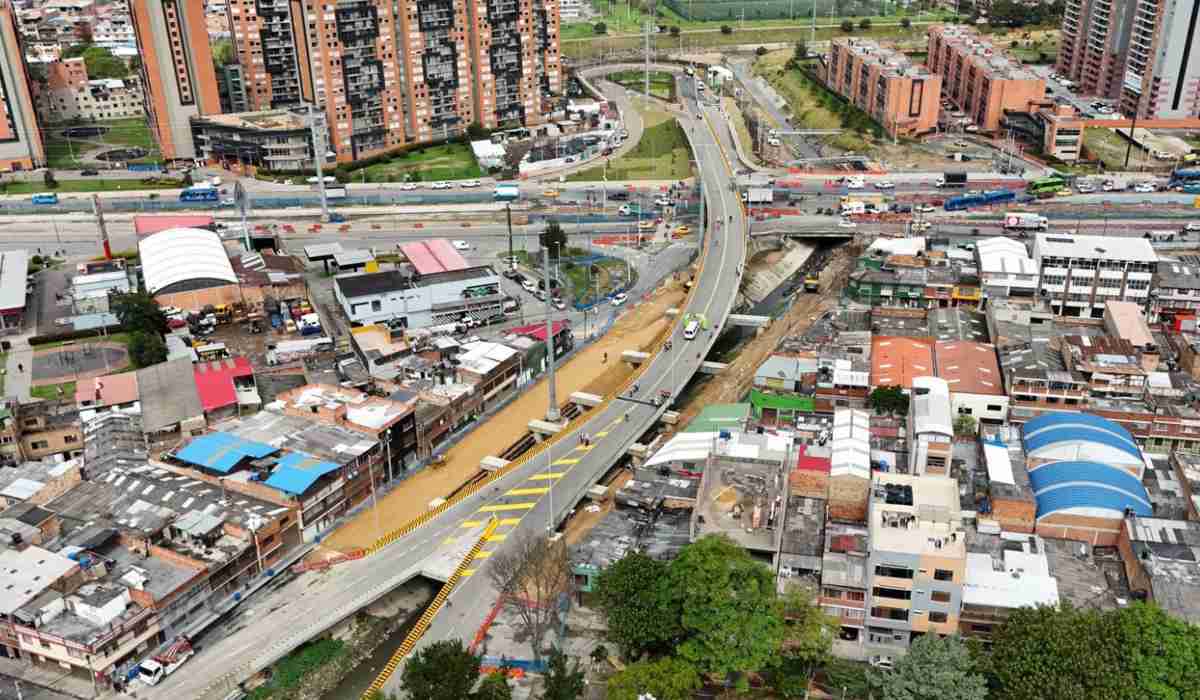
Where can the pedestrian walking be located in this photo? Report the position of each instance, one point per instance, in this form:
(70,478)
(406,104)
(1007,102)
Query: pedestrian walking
(605,359)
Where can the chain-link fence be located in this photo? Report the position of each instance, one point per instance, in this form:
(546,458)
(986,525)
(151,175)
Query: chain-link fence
(731,10)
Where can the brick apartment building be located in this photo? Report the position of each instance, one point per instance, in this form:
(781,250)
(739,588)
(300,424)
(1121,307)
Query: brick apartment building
(979,77)
(902,96)
(21,146)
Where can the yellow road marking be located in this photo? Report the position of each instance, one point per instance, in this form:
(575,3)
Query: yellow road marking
(566,460)
(535,491)
(502,521)
(602,433)
(496,538)
(483,555)
(467,572)
(506,506)
(547,476)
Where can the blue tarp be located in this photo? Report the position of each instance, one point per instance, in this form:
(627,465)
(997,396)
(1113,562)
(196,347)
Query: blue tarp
(220,452)
(297,472)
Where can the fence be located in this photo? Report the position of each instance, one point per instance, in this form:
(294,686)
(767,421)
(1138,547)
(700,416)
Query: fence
(773,9)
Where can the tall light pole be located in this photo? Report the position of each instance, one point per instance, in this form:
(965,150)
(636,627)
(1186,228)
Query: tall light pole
(552,413)
(316,127)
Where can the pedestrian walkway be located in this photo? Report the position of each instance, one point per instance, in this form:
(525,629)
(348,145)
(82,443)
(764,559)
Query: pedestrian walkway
(18,367)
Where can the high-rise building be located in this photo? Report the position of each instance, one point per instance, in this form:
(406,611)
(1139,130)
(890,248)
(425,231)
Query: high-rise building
(21,145)
(436,69)
(900,95)
(516,67)
(178,77)
(1144,52)
(979,77)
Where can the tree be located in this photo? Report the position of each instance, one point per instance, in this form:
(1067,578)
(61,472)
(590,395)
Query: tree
(846,677)
(964,425)
(808,631)
(477,132)
(905,22)
(1162,652)
(533,575)
(865,24)
(1064,653)
(493,687)
(638,610)
(443,670)
(554,238)
(935,668)
(49,180)
(75,50)
(101,64)
(137,311)
(847,26)
(224,53)
(888,399)
(675,31)
(726,29)
(665,679)
(728,608)
(600,28)
(187,180)
(563,681)
(146,349)
(799,54)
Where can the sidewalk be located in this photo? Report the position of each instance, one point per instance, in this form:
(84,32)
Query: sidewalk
(17,381)
(57,683)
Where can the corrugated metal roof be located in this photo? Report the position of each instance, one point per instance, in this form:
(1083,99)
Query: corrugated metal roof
(1064,485)
(297,472)
(214,381)
(14,266)
(436,255)
(146,225)
(1050,420)
(1047,438)
(220,452)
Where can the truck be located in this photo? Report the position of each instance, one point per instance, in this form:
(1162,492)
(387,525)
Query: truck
(153,670)
(760,195)
(850,207)
(952,180)
(1017,221)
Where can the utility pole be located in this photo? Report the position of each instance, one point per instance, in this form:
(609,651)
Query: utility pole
(552,414)
(1132,136)
(242,200)
(511,258)
(812,38)
(99,212)
(647,27)
(316,127)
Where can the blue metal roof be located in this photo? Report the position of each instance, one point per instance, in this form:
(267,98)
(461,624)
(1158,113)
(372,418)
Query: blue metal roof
(297,472)
(220,452)
(1081,433)
(1061,485)
(1058,419)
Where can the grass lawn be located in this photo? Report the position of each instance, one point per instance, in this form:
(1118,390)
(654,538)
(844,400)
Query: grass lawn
(50,391)
(450,161)
(607,276)
(87,184)
(122,338)
(813,106)
(1110,147)
(662,84)
(661,154)
(63,153)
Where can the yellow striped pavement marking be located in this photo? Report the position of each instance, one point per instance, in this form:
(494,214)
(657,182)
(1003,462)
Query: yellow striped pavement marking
(566,460)
(506,506)
(536,491)
(602,433)
(502,521)
(483,555)
(496,538)
(546,476)
(467,572)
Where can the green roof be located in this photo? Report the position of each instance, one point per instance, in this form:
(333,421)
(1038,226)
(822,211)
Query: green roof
(718,416)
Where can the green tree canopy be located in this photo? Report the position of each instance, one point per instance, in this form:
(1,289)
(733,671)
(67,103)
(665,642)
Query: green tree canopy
(665,679)
(563,679)
(935,668)
(138,311)
(146,349)
(443,670)
(101,64)
(641,616)
(1162,652)
(494,686)
(889,399)
(964,425)
(554,238)
(808,631)
(728,608)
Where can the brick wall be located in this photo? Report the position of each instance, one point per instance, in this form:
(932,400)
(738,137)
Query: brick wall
(1015,516)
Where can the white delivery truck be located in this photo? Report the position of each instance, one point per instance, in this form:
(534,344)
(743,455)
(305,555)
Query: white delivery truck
(156,668)
(1015,221)
(853,206)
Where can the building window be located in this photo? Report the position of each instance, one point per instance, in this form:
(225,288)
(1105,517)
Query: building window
(39,444)
(376,306)
(994,407)
(937,617)
(894,593)
(939,597)
(893,572)
(70,438)
(943,575)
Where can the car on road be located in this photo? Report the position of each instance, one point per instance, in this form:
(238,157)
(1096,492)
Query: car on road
(682,230)
(329,180)
(227,202)
(663,202)
(619,299)
(970,128)
(461,245)
(440,185)
(409,186)
(1065,192)
(90,172)
(847,223)
(619,196)
(918,226)
(625,210)
(469,183)
(1144,187)
(1085,188)
(512,273)
(646,225)
(559,304)
(550,193)
(1192,226)
(924,208)
(884,185)
(528,285)
(855,183)
(214,181)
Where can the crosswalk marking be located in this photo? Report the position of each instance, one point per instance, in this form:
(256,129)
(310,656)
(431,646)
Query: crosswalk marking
(501,522)
(566,460)
(496,538)
(535,491)
(547,476)
(506,506)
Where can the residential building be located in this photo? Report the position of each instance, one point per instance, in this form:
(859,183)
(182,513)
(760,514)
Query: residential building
(1178,288)
(38,483)
(930,433)
(1112,367)
(1044,389)
(850,465)
(1080,273)
(844,579)
(899,361)
(48,428)
(274,139)
(981,78)
(917,564)
(972,373)
(69,95)
(177,71)
(1124,320)
(1161,563)
(1004,572)
(492,368)
(516,70)
(232,89)
(1140,53)
(21,145)
(420,300)
(902,96)
(1005,268)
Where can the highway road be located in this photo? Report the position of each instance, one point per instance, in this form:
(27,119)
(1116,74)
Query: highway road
(528,500)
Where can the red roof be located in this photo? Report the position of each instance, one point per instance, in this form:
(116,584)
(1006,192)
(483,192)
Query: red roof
(214,381)
(431,256)
(806,463)
(537,331)
(147,225)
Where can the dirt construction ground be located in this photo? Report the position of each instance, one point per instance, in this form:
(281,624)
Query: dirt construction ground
(586,371)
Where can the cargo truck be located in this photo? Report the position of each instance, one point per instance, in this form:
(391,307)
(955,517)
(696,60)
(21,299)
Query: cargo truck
(1016,221)
(952,180)
(156,668)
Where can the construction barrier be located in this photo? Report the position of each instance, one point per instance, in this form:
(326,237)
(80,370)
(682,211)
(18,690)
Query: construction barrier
(422,626)
(330,562)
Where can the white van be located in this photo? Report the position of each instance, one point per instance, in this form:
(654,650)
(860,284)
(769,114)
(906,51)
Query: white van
(690,330)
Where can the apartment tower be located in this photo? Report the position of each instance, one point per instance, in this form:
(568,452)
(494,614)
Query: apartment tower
(435,64)
(1146,53)
(21,145)
(979,77)
(515,60)
(177,70)
(900,95)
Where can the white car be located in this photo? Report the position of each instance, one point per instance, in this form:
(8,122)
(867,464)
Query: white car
(440,186)
(227,202)
(884,185)
(560,304)
(528,285)
(619,299)
(214,181)
(409,187)
(924,208)
(1143,187)
(1192,226)
(847,223)
(855,183)
(461,245)
(918,226)
(625,210)
(469,183)
(662,202)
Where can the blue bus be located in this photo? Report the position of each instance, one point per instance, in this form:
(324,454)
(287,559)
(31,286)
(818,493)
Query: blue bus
(506,193)
(1185,176)
(45,198)
(198,194)
(979,199)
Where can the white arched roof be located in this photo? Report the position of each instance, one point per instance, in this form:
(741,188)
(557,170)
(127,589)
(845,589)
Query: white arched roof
(182,254)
